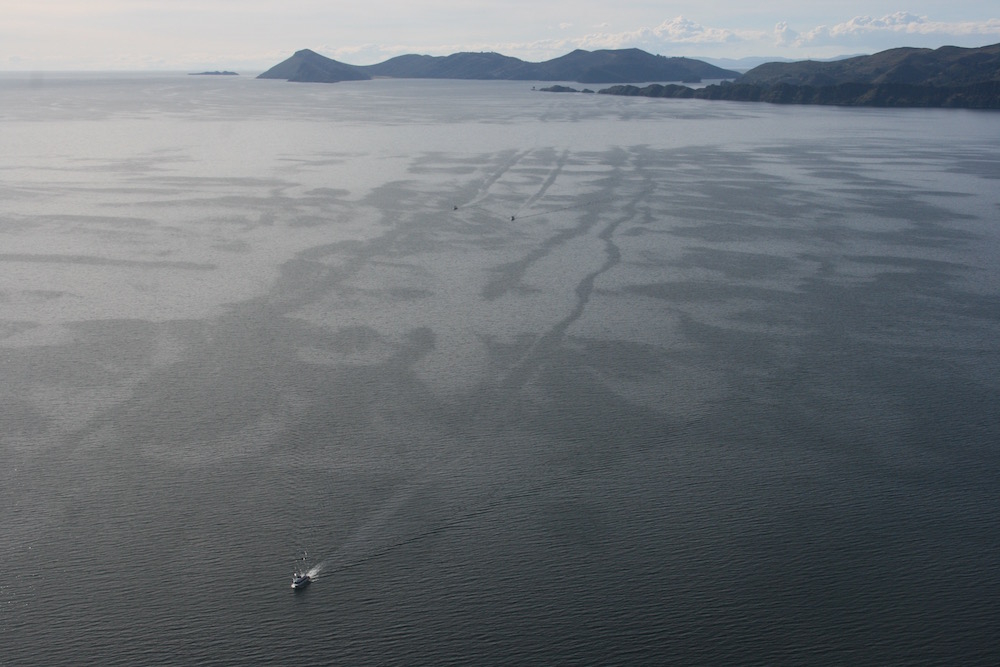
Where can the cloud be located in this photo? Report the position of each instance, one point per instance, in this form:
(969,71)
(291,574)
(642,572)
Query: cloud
(678,30)
(682,35)
(783,35)
(902,26)
(683,31)
(665,37)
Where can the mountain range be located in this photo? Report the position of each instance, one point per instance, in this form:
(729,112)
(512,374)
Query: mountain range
(605,66)
(949,76)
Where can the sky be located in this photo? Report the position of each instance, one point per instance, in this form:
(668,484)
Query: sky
(252,35)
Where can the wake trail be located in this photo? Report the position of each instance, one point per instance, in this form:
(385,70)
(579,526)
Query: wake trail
(493,502)
(484,190)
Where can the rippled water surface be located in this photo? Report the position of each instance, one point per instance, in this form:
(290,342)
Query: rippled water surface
(534,378)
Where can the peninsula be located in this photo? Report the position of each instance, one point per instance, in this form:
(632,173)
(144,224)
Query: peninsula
(948,77)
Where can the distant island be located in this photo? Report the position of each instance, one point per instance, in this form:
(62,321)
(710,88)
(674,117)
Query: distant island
(215,73)
(563,89)
(606,66)
(948,77)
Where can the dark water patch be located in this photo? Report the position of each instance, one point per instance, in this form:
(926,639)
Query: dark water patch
(621,359)
(89,223)
(733,227)
(896,204)
(503,353)
(45,295)
(10,328)
(217,183)
(697,291)
(239,247)
(737,265)
(980,167)
(412,294)
(99,352)
(352,339)
(154,162)
(89,260)
(916,264)
(328,193)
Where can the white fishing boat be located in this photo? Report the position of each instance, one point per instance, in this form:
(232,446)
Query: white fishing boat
(300,577)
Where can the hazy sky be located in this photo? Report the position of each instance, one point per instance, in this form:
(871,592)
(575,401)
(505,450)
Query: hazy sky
(253,35)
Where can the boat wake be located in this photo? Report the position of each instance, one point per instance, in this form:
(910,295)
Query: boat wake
(375,538)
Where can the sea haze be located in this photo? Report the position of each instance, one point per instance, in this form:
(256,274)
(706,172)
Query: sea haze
(533,378)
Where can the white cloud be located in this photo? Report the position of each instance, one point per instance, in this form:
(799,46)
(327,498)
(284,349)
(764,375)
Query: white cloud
(783,35)
(904,27)
(668,36)
(678,30)
(683,36)
(683,31)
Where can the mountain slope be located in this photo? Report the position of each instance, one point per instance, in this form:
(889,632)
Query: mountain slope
(625,66)
(309,66)
(456,66)
(946,66)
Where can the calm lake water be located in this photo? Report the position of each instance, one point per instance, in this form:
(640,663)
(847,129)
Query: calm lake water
(534,378)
